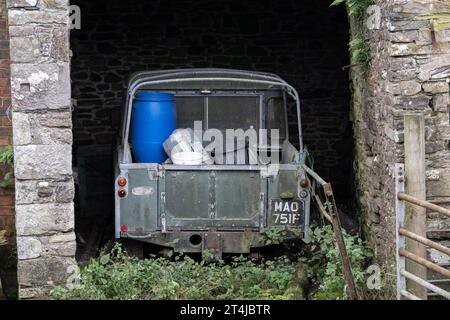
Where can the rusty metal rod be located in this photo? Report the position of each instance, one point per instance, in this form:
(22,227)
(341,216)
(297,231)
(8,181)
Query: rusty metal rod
(313,174)
(331,214)
(425,284)
(441,201)
(422,203)
(425,241)
(337,228)
(322,209)
(409,295)
(430,265)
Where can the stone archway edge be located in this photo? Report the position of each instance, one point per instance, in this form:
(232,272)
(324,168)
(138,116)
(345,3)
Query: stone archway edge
(42,132)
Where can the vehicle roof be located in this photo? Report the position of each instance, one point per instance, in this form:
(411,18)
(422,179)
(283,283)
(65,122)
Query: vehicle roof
(204,78)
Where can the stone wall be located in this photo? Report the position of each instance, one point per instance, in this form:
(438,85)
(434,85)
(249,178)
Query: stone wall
(304,42)
(42,127)
(6,194)
(410,73)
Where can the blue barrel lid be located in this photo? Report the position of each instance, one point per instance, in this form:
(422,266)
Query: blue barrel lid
(154,96)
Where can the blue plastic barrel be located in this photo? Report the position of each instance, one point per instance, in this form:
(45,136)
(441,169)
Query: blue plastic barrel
(152,121)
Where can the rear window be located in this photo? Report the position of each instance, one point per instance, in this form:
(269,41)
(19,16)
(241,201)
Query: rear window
(224,112)
(189,110)
(231,112)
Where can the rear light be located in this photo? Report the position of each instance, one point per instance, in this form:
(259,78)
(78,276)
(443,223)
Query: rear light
(122,193)
(304,183)
(122,182)
(124,228)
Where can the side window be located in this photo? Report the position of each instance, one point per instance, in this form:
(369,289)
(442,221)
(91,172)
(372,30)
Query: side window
(276,117)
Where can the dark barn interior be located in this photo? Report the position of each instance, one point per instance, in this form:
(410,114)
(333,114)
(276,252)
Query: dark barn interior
(305,42)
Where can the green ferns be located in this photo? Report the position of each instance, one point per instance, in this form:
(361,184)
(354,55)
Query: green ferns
(360,52)
(356,8)
(358,46)
(7,159)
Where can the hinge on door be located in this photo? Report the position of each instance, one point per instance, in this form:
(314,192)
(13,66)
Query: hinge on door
(155,174)
(212,195)
(163,213)
(262,210)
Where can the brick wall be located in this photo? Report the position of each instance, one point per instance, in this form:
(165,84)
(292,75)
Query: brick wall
(6,195)
(303,42)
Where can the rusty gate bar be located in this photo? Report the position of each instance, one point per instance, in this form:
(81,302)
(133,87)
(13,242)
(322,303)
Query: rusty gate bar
(425,262)
(409,296)
(425,241)
(426,284)
(424,204)
(402,233)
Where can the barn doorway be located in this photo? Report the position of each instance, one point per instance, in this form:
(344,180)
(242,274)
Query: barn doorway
(303,42)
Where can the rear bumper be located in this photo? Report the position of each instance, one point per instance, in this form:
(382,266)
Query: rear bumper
(217,242)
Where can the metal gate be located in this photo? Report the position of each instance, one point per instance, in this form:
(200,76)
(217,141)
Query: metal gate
(402,255)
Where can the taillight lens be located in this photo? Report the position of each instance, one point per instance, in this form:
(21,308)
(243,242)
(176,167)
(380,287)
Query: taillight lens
(122,182)
(122,193)
(304,183)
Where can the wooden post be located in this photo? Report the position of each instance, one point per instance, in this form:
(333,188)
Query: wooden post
(415,219)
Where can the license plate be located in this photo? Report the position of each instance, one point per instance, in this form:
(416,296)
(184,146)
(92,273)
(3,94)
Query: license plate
(288,212)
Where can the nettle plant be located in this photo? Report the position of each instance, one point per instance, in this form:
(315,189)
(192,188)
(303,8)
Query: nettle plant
(7,160)
(116,276)
(275,235)
(325,267)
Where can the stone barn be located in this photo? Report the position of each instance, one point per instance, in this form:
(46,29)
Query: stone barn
(63,67)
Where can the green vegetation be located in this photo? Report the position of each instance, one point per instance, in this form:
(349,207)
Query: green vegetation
(119,277)
(356,8)
(7,159)
(275,235)
(358,46)
(324,263)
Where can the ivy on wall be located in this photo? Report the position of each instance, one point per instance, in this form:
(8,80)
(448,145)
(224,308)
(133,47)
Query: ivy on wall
(358,46)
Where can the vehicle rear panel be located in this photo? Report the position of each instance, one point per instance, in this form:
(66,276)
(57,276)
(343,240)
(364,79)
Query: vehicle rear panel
(207,199)
(213,199)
